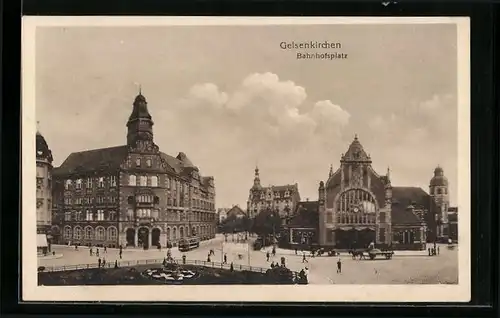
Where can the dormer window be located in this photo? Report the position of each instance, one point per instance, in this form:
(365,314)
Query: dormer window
(67,184)
(101,182)
(89,183)
(138,162)
(287,194)
(148,163)
(113,181)
(277,195)
(79,183)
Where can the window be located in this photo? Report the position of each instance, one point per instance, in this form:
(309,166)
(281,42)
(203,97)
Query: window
(382,235)
(112,215)
(99,233)
(154,181)
(112,233)
(143,181)
(67,216)
(101,182)
(79,216)
(130,200)
(167,181)
(89,216)
(67,184)
(79,184)
(130,214)
(39,183)
(77,233)
(287,194)
(67,232)
(156,200)
(89,233)
(132,180)
(100,215)
(138,162)
(148,163)
(113,181)
(382,217)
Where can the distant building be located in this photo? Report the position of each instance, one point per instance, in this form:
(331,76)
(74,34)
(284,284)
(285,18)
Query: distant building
(282,199)
(453,223)
(132,195)
(235,212)
(222,214)
(43,193)
(357,206)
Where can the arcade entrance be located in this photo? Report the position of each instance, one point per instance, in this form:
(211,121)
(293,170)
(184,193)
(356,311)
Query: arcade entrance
(354,238)
(143,237)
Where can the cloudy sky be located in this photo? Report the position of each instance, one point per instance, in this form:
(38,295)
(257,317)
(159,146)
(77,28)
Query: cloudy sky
(230,97)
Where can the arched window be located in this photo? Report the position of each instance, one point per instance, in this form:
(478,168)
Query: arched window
(112,234)
(99,233)
(181,232)
(175,233)
(77,233)
(89,233)
(79,183)
(143,181)
(132,180)
(154,181)
(169,237)
(355,201)
(67,232)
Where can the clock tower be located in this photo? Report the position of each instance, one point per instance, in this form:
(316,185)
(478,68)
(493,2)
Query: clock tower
(140,125)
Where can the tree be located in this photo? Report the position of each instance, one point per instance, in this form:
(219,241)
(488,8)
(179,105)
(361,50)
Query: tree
(267,222)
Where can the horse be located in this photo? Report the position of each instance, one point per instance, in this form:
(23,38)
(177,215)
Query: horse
(355,254)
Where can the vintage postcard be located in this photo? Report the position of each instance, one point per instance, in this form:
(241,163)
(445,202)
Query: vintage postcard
(205,158)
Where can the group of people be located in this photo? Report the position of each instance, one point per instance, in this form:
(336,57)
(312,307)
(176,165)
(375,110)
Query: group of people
(433,251)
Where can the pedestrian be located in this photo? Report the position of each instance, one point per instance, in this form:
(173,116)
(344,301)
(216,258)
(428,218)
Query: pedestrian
(103,262)
(105,249)
(120,254)
(225,258)
(304,259)
(267,255)
(116,264)
(438,250)
(306,272)
(339,266)
(76,247)
(91,253)
(272,264)
(231,268)
(274,251)
(184,259)
(429,250)
(97,252)
(295,251)
(99,263)
(208,258)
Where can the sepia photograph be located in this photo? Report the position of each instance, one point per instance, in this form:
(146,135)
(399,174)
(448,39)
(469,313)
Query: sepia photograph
(205,159)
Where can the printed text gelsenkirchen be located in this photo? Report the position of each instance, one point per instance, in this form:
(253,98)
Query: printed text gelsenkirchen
(314,46)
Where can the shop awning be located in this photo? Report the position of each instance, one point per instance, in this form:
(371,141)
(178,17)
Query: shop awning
(41,240)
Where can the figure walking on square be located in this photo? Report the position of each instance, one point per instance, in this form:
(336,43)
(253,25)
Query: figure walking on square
(97,252)
(339,266)
(267,256)
(304,258)
(225,258)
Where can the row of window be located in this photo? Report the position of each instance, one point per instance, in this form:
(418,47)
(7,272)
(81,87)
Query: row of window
(262,203)
(101,182)
(170,216)
(196,203)
(90,200)
(355,218)
(99,215)
(101,234)
(277,195)
(143,181)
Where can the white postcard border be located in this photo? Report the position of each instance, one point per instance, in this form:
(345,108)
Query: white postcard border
(460,292)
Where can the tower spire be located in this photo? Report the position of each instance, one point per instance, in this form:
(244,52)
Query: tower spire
(140,89)
(388,172)
(331,170)
(38,127)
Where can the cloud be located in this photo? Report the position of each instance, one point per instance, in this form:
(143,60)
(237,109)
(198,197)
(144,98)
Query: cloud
(265,119)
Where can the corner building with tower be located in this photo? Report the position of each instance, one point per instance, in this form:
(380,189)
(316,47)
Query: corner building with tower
(132,195)
(43,193)
(357,206)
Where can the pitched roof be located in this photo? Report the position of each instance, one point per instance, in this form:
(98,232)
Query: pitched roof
(92,160)
(235,210)
(306,215)
(402,197)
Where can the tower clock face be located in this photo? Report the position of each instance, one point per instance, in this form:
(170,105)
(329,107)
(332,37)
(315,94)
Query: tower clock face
(356,210)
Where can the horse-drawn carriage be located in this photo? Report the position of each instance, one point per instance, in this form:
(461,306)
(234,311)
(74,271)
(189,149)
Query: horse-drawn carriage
(371,253)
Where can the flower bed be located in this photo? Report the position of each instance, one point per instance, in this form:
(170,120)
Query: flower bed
(139,275)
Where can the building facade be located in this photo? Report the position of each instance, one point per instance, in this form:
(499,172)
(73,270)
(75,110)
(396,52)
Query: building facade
(132,195)
(357,206)
(43,191)
(282,199)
